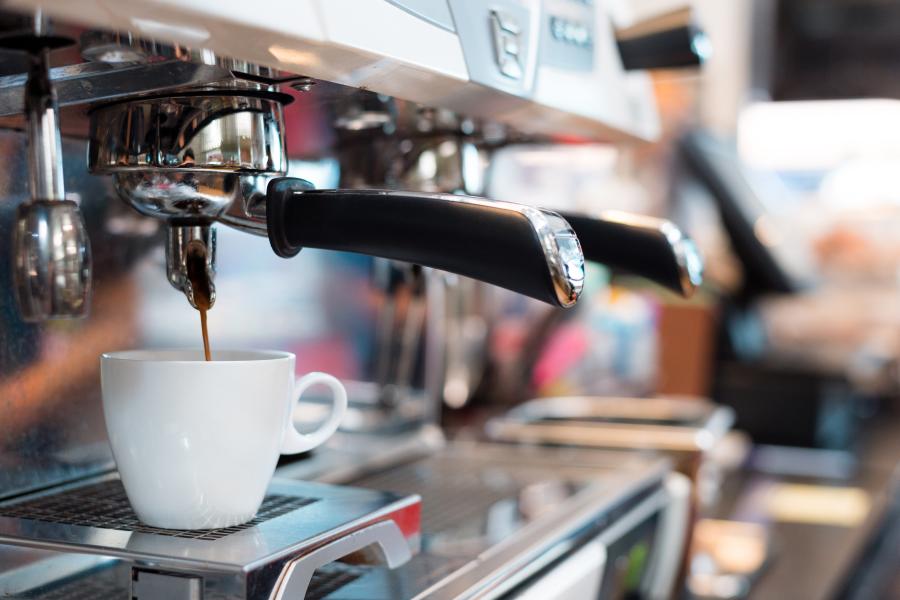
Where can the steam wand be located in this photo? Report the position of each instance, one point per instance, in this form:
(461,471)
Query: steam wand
(52,270)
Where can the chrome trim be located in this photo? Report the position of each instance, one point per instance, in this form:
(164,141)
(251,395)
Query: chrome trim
(45,170)
(85,83)
(52,261)
(178,242)
(192,158)
(562,251)
(497,570)
(255,558)
(51,250)
(709,423)
(220,133)
(687,256)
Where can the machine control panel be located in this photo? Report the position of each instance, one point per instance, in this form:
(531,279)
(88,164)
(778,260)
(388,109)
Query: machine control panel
(567,41)
(499,42)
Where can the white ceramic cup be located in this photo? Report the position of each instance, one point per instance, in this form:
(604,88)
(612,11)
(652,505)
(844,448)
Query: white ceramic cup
(196,442)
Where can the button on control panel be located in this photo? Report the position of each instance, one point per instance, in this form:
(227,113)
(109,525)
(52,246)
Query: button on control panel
(568,41)
(507,47)
(499,39)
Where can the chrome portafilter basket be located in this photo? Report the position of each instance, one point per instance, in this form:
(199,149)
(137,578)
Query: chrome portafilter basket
(190,158)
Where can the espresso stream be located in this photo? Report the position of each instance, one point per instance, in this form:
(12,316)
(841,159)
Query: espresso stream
(197,275)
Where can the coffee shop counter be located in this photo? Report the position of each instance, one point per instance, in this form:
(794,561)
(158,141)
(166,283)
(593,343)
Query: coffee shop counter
(829,536)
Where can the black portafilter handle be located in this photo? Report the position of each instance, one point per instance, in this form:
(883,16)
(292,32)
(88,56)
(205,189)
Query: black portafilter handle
(669,41)
(527,250)
(655,249)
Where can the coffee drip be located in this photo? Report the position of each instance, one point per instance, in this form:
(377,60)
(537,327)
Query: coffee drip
(199,279)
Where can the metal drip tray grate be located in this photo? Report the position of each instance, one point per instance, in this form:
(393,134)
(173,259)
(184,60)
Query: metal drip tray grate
(105,505)
(449,498)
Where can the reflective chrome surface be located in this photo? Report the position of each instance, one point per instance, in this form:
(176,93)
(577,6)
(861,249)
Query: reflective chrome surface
(522,514)
(52,261)
(82,83)
(562,251)
(180,243)
(191,158)
(261,562)
(42,125)
(659,423)
(50,246)
(124,48)
(221,133)
(495,515)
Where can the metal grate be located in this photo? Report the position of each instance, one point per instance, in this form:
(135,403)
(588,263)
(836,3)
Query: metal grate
(106,506)
(332,577)
(450,498)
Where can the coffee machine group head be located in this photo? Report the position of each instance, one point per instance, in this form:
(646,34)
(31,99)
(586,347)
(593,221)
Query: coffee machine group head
(189,159)
(216,153)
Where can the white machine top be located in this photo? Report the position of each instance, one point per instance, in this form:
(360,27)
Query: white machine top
(542,66)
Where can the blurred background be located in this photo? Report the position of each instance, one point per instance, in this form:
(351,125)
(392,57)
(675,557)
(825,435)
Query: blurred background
(780,158)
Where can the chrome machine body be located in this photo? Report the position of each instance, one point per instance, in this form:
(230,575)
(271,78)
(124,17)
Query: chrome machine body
(181,110)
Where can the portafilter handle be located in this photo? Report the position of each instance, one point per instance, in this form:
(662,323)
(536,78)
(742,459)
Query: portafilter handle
(527,250)
(655,249)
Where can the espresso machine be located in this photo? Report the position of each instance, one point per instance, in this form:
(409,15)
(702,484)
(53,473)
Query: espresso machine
(180,112)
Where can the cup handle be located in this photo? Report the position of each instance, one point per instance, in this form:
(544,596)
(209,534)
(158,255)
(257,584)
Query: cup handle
(295,442)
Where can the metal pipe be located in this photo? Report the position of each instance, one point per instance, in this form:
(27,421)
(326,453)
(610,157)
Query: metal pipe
(45,168)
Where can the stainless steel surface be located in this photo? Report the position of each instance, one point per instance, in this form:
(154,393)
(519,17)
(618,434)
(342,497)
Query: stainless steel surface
(125,48)
(661,423)
(349,456)
(103,579)
(121,65)
(190,158)
(181,242)
(84,83)
(44,146)
(494,515)
(254,561)
(105,505)
(49,371)
(52,261)
(50,246)
(399,329)
(562,252)
(219,133)
(385,535)
(682,428)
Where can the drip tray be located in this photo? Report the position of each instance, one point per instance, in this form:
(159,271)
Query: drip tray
(112,581)
(300,527)
(106,506)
